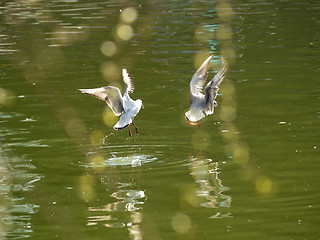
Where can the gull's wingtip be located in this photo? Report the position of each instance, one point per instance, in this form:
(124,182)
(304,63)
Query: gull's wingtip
(207,62)
(84,91)
(208,59)
(127,80)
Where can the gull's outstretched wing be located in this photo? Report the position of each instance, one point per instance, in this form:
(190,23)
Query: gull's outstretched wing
(110,94)
(129,87)
(199,78)
(217,79)
(212,88)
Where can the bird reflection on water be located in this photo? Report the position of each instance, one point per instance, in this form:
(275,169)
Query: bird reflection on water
(126,198)
(209,190)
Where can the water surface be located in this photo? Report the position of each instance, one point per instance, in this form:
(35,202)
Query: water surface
(250,170)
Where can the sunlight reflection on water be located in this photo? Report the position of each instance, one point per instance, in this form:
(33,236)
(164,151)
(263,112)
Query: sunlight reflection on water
(18,223)
(123,155)
(134,160)
(120,206)
(208,191)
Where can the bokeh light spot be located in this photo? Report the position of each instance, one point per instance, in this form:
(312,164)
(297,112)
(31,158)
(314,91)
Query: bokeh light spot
(110,71)
(228,113)
(190,195)
(109,118)
(86,191)
(97,162)
(6,97)
(129,15)
(224,10)
(228,89)
(224,32)
(74,127)
(108,48)
(96,137)
(124,32)
(70,36)
(181,223)
(240,153)
(264,185)
(200,57)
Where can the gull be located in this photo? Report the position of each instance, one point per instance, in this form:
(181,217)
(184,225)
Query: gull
(120,105)
(204,102)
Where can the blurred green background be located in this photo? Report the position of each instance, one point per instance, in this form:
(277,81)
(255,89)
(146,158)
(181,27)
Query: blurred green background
(250,171)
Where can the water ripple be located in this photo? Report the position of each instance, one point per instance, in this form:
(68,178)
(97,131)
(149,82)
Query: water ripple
(137,155)
(20,181)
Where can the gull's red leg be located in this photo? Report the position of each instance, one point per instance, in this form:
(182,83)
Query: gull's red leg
(135,127)
(130,133)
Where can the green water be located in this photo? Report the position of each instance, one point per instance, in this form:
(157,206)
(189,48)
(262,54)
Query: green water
(250,171)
